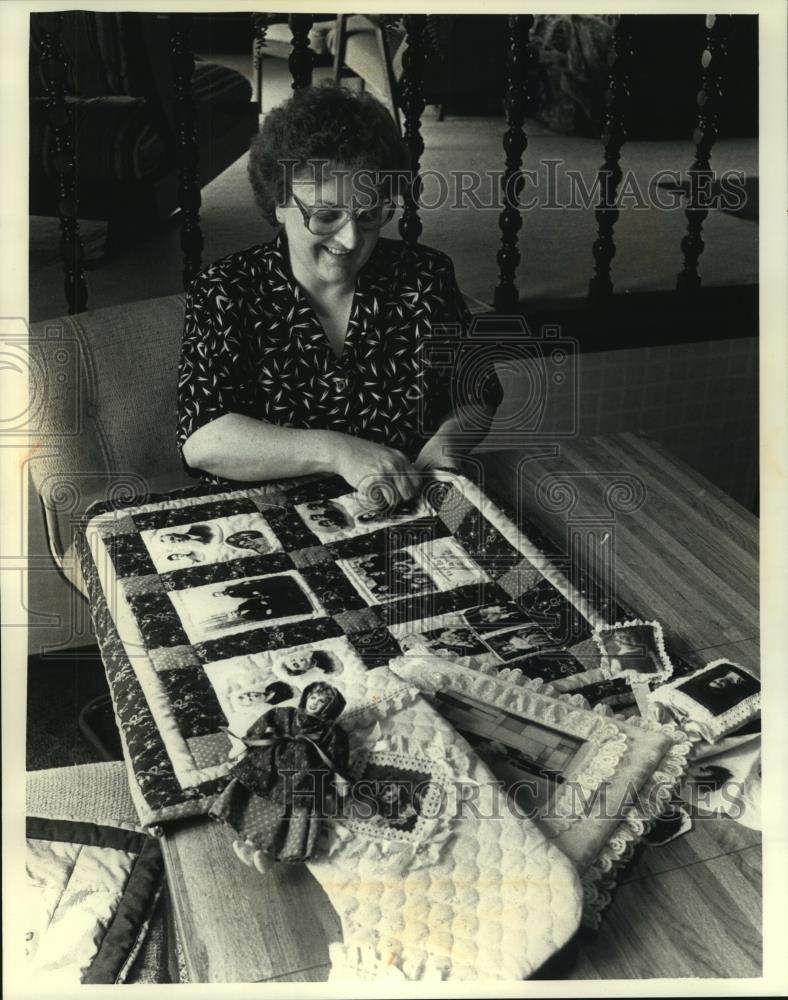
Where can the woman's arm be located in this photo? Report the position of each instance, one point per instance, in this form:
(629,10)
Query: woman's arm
(465,421)
(455,437)
(239,447)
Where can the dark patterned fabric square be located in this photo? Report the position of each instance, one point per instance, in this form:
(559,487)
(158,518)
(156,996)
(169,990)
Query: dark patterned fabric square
(290,529)
(194,702)
(312,556)
(129,556)
(236,569)
(209,510)
(547,607)
(333,589)
(548,666)
(486,544)
(375,647)
(157,620)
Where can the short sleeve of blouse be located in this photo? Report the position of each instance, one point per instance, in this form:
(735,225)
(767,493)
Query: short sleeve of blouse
(449,393)
(208,374)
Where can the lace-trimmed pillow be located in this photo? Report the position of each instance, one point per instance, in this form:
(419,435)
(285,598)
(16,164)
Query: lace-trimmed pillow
(593,782)
(712,702)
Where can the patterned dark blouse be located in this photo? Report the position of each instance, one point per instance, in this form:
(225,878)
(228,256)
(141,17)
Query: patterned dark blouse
(252,344)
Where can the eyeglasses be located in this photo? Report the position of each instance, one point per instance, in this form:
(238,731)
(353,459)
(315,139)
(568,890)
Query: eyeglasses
(324,221)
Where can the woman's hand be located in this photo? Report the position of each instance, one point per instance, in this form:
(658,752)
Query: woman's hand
(383,476)
(433,456)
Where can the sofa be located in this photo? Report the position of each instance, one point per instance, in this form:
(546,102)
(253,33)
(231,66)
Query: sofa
(119,88)
(101,424)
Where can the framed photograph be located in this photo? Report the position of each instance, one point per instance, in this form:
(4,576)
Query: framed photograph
(592,782)
(634,649)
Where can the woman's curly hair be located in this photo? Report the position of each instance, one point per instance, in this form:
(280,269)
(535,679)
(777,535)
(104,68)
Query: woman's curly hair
(329,123)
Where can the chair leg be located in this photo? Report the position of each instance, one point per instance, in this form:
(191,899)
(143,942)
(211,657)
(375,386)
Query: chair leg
(97,724)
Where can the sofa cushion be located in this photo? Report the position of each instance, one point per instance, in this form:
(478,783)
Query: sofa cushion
(122,139)
(218,86)
(103,387)
(116,139)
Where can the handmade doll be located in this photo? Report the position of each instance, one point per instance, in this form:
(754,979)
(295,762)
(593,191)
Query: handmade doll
(286,781)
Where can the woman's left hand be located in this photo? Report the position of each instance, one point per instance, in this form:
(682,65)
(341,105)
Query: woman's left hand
(432,457)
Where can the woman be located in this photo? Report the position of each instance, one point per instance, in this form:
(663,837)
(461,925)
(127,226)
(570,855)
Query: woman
(309,354)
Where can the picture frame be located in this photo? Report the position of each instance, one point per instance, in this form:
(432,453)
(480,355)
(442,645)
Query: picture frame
(635,650)
(599,781)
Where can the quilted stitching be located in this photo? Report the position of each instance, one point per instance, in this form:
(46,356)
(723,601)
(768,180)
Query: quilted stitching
(496,901)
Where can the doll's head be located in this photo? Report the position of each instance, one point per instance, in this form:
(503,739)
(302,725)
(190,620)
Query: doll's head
(321,700)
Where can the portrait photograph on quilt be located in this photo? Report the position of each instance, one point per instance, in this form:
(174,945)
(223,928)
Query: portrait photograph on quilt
(390,482)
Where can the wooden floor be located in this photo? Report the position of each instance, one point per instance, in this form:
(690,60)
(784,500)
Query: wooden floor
(689,908)
(689,558)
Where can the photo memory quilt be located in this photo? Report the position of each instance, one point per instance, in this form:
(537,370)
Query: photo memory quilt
(212,605)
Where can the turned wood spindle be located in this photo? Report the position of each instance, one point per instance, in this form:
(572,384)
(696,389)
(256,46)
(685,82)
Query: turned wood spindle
(259,31)
(302,58)
(187,153)
(701,176)
(412,100)
(54,68)
(515,143)
(614,134)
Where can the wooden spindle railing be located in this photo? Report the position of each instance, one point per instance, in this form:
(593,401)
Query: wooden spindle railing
(515,142)
(259,32)
(187,153)
(302,58)
(64,160)
(412,97)
(614,134)
(701,176)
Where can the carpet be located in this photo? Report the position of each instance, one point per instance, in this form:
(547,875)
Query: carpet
(57,691)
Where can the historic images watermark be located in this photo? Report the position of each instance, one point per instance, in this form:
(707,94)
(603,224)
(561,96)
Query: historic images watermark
(549,185)
(399,801)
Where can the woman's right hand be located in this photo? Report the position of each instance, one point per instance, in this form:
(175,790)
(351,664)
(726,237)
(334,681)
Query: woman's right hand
(382,476)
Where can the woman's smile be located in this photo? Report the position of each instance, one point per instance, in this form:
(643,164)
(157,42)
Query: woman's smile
(340,255)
